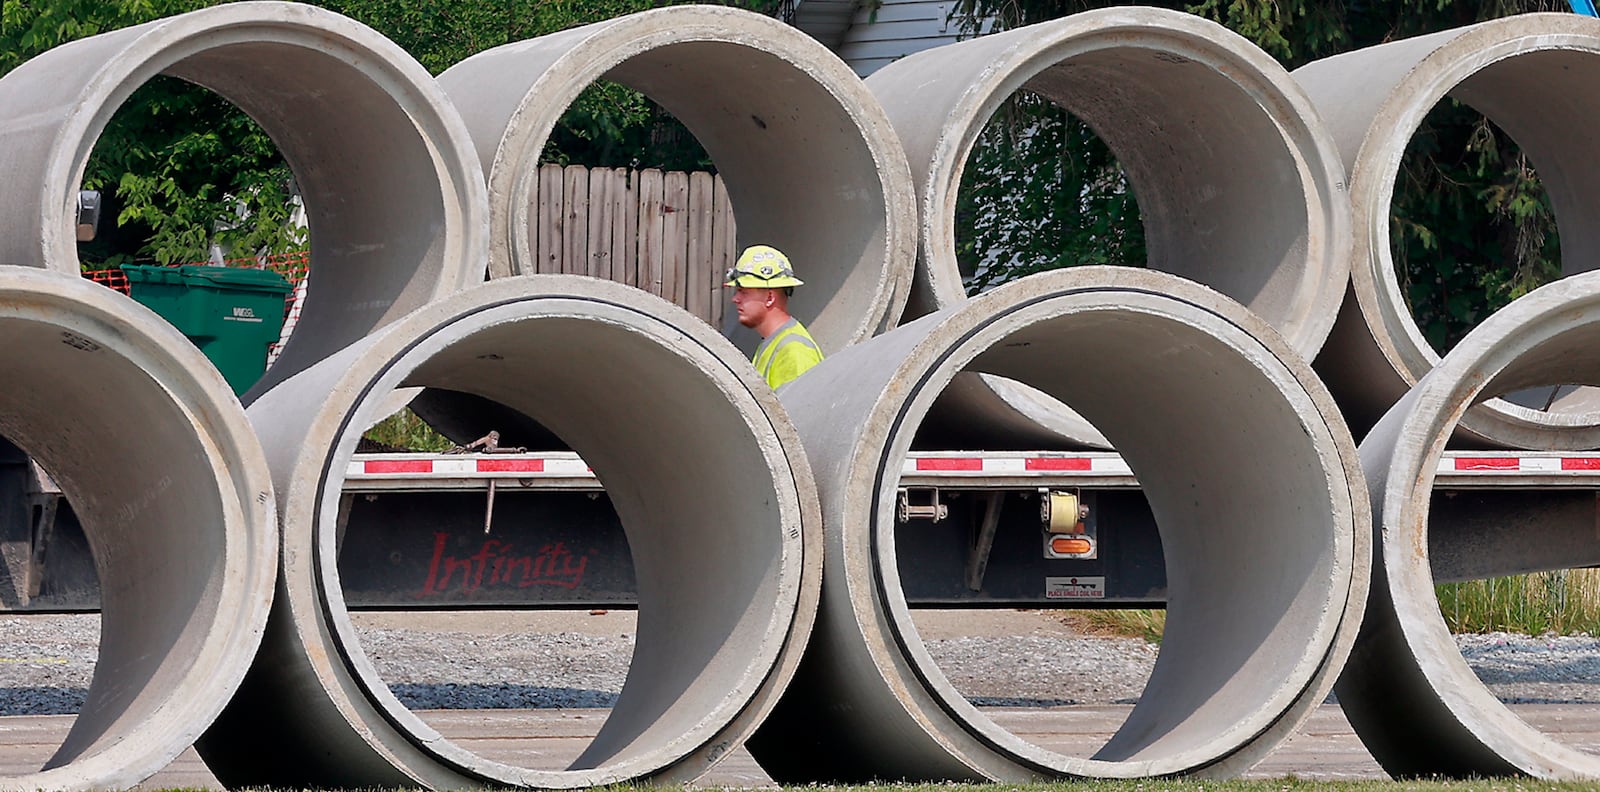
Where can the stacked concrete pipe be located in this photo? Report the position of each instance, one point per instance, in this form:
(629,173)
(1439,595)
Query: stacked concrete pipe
(1411,697)
(147,441)
(1239,186)
(698,458)
(811,164)
(1238,448)
(1532,75)
(393,194)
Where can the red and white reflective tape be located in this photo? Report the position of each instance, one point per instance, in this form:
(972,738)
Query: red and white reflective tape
(1468,463)
(1015,463)
(951,465)
(367,466)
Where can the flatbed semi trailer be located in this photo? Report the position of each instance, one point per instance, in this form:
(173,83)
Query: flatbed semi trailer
(974,529)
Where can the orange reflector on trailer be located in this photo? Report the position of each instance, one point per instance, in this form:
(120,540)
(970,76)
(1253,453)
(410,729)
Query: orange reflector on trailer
(1070,545)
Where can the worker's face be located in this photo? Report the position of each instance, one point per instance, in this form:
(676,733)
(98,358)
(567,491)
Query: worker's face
(753,304)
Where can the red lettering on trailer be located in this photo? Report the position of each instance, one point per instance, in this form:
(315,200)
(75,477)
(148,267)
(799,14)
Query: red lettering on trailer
(496,564)
(1056,463)
(1487,463)
(372,466)
(511,466)
(937,463)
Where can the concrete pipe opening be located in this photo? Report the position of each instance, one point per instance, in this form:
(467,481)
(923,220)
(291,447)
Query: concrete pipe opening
(811,165)
(152,450)
(1524,73)
(1161,366)
(1239,186)
(1409,693)
(696,455)
(396,211)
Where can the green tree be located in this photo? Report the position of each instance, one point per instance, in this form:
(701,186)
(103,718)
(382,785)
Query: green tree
(1471,227)
(182,170)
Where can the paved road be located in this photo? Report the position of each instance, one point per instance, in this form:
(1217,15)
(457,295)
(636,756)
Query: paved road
(1324,749)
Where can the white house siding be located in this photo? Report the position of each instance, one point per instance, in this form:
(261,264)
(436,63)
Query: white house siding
(877,36)
(897,29)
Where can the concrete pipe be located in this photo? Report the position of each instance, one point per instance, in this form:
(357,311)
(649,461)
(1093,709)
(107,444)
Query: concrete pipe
(148,443)
(1411,697)
(1530,75)
(1239,186)
(393,195)
(810,163)
(698,458)
(1161,365)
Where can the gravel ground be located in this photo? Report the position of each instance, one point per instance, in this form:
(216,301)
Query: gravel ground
(515,660)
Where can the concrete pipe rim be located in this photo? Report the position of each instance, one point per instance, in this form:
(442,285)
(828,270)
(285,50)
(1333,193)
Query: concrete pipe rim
(1260,81)
(1436,406)
(760,670)
(1257,84)
(510,146)
(1083,292)
(430,138)
(1477,49)
(220,624)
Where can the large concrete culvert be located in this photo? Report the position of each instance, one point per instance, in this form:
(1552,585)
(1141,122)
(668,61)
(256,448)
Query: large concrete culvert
(1531,75)
(148,443)
(695,453)
(810,163)
(393,194)
(1410,695)
(1241,455)
(1239,186)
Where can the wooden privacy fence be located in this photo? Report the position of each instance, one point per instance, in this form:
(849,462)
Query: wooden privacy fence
(670,233)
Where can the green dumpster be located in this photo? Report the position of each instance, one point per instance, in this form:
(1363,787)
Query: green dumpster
(233,314)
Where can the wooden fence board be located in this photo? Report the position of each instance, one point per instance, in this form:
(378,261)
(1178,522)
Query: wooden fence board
(674,235)
(625,236)
(602,182)
(698,278)
(575,250)
(551,219)
(725,252)
(651,230)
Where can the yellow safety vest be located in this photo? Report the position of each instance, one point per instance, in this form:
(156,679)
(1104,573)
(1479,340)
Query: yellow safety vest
(786,354)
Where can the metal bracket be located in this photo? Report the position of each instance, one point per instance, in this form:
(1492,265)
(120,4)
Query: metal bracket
(44,500)
(43,510)
(983,542)
(932,510)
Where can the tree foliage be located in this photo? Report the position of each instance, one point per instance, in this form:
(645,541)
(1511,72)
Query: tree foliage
(183,171)
(1471,227)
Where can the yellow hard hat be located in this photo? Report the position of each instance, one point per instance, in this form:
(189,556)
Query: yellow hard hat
(762,267)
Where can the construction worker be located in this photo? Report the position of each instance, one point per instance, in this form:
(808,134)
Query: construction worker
(762,280)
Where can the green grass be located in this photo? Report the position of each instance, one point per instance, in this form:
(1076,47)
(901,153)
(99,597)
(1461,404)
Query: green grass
(1563,602)
(1126,622)
(404,430)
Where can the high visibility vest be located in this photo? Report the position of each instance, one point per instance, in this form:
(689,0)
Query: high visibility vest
(786,354)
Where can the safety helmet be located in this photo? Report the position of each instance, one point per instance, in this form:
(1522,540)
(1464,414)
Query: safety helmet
(762,267)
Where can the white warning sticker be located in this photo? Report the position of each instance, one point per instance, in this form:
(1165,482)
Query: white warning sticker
(1058,588)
